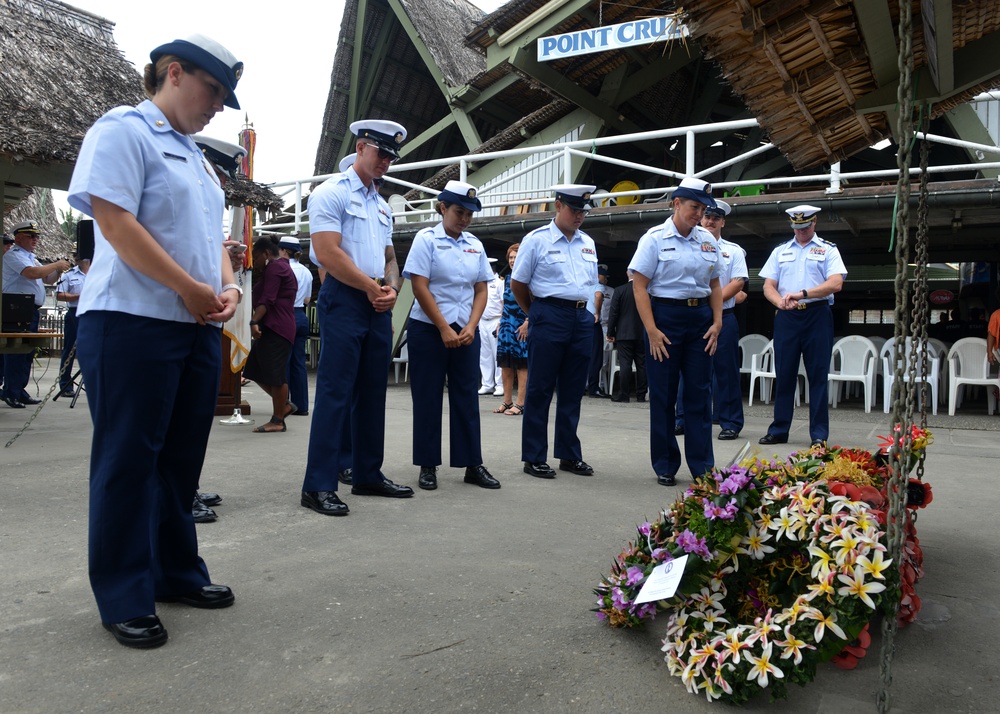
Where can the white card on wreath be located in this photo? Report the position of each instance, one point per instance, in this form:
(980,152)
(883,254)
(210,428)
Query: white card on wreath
(663,581)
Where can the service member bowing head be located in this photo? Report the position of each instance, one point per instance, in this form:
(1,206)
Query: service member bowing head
(803,220)
(679,261)
(572,206)
(449,272)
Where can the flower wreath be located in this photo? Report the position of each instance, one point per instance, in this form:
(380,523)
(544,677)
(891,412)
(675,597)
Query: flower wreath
(787,567)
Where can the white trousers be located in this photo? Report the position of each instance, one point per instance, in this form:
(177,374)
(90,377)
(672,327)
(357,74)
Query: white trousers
(488,354)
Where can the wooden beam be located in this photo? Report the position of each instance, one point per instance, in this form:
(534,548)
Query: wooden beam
(938,42)
(875,24)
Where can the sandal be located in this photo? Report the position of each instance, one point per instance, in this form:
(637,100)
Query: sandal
(244,382)
(262,429)
(502,409)
(515,410)
(290,409)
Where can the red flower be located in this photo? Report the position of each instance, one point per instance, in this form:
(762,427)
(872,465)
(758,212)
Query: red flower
(918,494)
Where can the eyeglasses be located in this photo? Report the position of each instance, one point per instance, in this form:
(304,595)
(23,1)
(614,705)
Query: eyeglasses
(383,154)
(579,211)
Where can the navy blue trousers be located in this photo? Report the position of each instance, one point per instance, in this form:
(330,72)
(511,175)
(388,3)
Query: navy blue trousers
(17,369)
(685,328)
(559,344)
(596,360)
(69,341)
(151,388)
(726,394)
(295,374)
(350,387)
(807,336)
(430,363)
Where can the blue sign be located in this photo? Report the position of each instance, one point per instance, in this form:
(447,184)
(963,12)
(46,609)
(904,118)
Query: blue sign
(611,37)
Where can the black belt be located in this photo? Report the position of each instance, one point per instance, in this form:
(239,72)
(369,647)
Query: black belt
(300,308)
(681,302)
(815,303)
(728,311)
(561,302)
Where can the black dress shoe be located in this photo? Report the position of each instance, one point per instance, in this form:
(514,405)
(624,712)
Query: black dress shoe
(600,394)
(13,403)
(143,632)
(728,435)
(818,442)
(640,397)
(209,498)
(578,467)
(386,488)
(346,476)
(773,439)
(209,597)
(202,513)
(539,469)
(479,476)
(31,401)
(428,478)
(678,430)
(622,400)
(666,480)
(68,393)
(325,502)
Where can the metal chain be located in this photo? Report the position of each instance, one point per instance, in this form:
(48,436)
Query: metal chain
(45,399)
(902,408)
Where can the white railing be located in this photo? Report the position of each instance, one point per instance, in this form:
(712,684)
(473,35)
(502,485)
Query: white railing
(497,199)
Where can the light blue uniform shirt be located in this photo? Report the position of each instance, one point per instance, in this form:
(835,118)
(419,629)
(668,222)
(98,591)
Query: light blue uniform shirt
(131,157)
(363,219)
(678,267)
(801,267)
(304,280)
(452,267)
(552,266)
(734,265)
(16,260)
(72,282)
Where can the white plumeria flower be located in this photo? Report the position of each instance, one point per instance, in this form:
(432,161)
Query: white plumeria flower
(753,544)
(762,666)
(792,647)
(824,623)
(731,646)
(785,525)
(856,586)
(875,565)
(845,546)
(822,562)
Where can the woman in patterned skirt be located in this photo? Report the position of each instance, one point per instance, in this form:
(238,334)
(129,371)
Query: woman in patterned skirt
(512,347)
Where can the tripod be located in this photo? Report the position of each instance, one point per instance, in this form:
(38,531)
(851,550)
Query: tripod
(77,382)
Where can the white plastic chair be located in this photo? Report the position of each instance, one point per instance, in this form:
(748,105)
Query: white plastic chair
(614,370)
(967,364)
(854,359)
(762,368)
(932,379)
(402,361)
(750,345)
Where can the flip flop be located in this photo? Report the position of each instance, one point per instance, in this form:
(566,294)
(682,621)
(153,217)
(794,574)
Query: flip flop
(274,420)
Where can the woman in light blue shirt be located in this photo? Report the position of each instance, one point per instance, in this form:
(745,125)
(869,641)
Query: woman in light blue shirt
(449,271)
(159,288)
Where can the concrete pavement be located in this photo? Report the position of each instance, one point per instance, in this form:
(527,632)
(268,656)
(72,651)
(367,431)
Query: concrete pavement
(456,600)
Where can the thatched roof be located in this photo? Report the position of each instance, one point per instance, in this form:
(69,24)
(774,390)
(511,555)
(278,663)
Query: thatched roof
(803,66)
(404,90)
(241,191)
(61,71)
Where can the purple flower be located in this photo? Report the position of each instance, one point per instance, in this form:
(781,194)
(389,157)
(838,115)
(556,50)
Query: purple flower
(644,528)
(647,609)
(693,544)
(601,615)
(635,575)
(618,598)
(661,554)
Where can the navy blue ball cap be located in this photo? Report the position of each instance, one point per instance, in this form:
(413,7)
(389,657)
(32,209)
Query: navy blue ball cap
(208,55)
(697,190)
(575,194)
(464,194)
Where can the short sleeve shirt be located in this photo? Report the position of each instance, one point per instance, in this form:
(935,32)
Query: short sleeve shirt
(71,282)
(133,158)
(553,266)
(734,265)
(452,268)
(343,204)
(677,266)
(303,281)
(15,261)
(798,267)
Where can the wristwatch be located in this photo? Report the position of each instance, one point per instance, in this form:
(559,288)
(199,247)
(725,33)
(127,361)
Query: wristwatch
(805,293)
(253,322)
(395,288)
(232,286)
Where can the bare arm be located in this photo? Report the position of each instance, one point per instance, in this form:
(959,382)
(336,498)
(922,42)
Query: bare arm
(657,340)
(522,294)
(390,283)
(715,301)
(48,274)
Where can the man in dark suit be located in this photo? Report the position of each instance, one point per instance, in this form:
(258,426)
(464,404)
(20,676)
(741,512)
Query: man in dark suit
(625,331)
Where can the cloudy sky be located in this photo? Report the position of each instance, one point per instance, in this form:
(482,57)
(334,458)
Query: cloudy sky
(288,56)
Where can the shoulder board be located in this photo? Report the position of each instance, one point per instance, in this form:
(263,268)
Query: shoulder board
(827,242)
